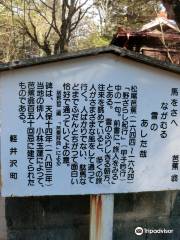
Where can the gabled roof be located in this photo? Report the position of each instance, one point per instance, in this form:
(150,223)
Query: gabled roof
(160,21)
(91,52)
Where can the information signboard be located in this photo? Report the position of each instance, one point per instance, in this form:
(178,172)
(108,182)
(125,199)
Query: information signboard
(99,125)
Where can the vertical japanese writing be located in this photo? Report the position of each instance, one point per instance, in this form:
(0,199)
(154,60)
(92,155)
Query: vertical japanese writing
(175,168)
(89,132)
(75,119)
(92,133)
(40,94)
(13,162)
(143,139)
(58,128)
(174,106)
(49,134)
(31,133)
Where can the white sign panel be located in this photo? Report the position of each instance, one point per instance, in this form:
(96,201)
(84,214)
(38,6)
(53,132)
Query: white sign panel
(101,125)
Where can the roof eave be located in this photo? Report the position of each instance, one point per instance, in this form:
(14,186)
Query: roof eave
(91,52)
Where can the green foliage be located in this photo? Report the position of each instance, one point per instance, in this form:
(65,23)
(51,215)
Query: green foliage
(92,41)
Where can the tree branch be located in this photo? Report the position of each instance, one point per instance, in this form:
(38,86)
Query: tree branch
(45,4)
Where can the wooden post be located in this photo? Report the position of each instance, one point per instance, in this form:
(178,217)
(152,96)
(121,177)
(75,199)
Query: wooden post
(101,217)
